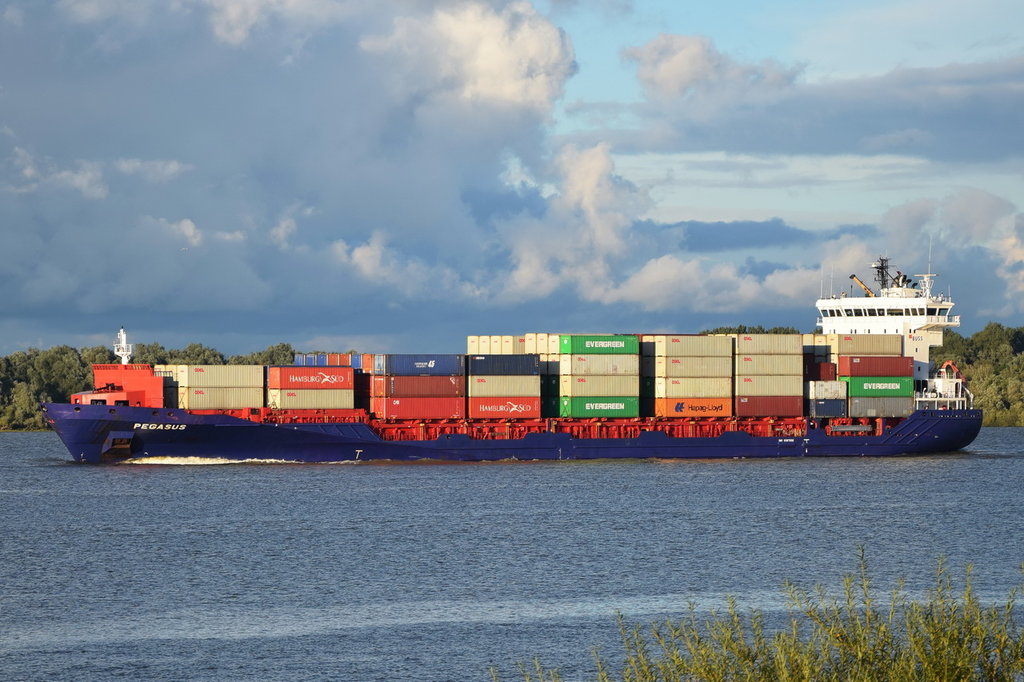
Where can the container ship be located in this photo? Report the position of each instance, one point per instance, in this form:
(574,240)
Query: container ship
(862,386)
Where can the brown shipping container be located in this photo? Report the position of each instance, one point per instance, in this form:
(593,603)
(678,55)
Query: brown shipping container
(417,387)
(866,344)
(695,367)
(310,377)
(482,386)
(769,365)
(769,344)
(875,366)
(521,407)
(598,386)
(216,398)
(220,376)
(769,406)
(818,371)
(304,398)
(693,407)
(792,385)
(600,365)
(419,408)
(881,407)
(692,345)
(682,387)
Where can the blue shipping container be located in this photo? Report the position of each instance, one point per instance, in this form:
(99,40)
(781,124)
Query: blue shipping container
(420,365)
(503,365)
(300,359)
(357,361)
(827,408)
(321,360)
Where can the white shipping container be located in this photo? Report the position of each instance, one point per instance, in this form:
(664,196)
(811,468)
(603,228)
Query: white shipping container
(216,398)
(826,390)
(600,365)
(221,376)
(692,345)
(682,387)
(691,367)
(310,399)
(473,345)
(530,344)
(769,344)
(574,386)
(495,344)
(775,386)
(773,365)
(490,386)
(555,344)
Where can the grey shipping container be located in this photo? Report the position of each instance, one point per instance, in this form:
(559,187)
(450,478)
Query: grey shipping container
(881,407)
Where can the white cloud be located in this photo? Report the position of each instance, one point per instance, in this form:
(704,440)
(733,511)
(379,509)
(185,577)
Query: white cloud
(184,230)
(13,15)
(153,171)
(87,178)
(512,57)
(233,21)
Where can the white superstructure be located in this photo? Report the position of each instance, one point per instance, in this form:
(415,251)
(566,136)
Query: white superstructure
(901,306)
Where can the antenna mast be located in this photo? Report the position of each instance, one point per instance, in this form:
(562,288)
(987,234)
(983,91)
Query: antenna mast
(122,348)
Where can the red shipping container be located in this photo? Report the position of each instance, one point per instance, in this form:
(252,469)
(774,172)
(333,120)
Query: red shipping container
(417,387)
(368,363)
(418,408)
(339,359)
(770,406)
(504,408)
(876,366)
(310,377)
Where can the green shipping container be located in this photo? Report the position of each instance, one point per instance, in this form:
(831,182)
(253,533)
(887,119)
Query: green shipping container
(623,344)
(622,406)
(880,387)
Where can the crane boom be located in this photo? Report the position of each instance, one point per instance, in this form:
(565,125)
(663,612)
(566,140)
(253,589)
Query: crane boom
(867,290)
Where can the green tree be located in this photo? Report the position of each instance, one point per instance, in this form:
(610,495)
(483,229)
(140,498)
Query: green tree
(195,354)
(281,354)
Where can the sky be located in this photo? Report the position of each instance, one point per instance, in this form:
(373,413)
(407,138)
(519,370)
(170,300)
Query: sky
(392,176)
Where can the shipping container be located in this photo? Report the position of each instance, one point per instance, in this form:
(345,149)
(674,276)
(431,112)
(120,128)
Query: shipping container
(368,361)
(648,346)
(599,385)
(875,366)
(693,407)
(683,387)
(817,346)
(357,361)
(602,365)
(879,387)
(591,407)
(419,365)
(792,385)
(881,407)
(621,344)
(417,387)
(483,345)
(310,377)
(866,344)
(518,364)
(769,344)
(826,390)
(550,406)
(769,365)
(522,407)
(550,384)
(826,407)
(472,344)
(685,366)
(499,385)
(769,406)
(221,376)
(311,399)
(818,371)
(693,345)
(300,360)
(219,398)
(648,388)
(419,408)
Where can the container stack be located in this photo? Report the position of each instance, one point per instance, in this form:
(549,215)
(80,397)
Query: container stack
(217,387)
(496,345)
(323,360)
(418,387)
(769,375)
(599,375)
(878,386)
(503,386)
(311,387)
(691,375)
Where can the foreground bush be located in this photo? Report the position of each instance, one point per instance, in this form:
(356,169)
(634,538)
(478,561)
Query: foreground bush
(949,635)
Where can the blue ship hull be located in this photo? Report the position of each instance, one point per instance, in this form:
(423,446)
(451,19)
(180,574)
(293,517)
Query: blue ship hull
(100,433)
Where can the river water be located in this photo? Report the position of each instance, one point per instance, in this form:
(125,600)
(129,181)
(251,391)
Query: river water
(438,572)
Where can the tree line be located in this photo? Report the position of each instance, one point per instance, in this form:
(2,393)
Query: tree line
(992,360)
